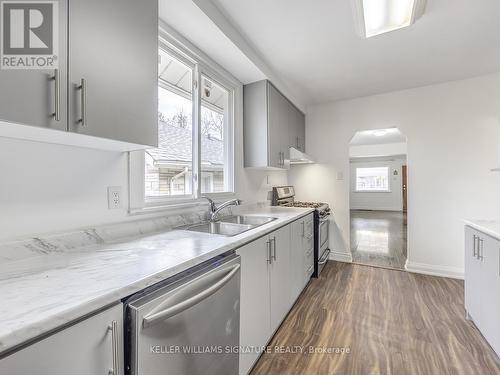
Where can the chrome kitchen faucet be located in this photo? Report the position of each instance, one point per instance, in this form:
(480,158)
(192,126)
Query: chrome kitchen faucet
(214,209)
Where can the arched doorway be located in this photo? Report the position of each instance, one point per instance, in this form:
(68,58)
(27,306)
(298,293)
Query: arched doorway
(378,198)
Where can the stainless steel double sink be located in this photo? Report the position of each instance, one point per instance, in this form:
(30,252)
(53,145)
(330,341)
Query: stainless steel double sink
(229,225)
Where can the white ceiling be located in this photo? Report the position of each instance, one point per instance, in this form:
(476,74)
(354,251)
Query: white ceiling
(188,20)
(314,47)
(370,137)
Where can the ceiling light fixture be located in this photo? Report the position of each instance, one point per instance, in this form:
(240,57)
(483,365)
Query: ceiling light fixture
(374,17)
(379,133)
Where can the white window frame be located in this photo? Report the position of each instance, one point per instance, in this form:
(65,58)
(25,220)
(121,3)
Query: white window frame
(180,48)
(373,191)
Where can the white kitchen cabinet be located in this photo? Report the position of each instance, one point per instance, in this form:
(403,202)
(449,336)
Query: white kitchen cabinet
(29,96)
(482,284)
(278,127)
(281,297)
(107,78)
(473,274)
(301,257)
(269,285)
(297,128)
(272,124)
(92,346)
(113,48)
(255,300)
(490,292)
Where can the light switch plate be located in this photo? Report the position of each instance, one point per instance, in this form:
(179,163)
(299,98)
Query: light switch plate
(114,197)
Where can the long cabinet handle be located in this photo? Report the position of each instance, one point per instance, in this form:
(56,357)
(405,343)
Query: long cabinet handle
(474,248)
(83,101)
(268,248)
(113,327)
(303,229)
(273,240)
(480,250)
(57,95)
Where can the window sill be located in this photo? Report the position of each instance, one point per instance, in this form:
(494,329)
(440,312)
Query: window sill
(372,191)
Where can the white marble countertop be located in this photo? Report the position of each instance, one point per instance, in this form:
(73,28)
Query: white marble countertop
(490,227)
(63,283)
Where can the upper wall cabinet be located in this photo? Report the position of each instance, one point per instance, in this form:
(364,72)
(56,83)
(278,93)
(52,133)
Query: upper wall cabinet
(272,124)
(113,84)
(297,128)
(36,97)
(106,84)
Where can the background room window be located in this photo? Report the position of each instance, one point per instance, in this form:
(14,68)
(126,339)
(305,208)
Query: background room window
(188,112)
(372,179)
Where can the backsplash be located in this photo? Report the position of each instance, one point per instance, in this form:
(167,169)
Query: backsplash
(67,241)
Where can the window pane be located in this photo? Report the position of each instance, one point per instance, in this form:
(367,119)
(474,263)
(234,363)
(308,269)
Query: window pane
(169,167)
(214,142)
(372,179)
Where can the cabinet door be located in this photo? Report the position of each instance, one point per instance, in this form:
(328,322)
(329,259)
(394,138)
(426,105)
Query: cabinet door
(280,276)
(296,128)
(255,319)
(29,97)
(113,46)
(293,127)
(297,258)
(301,131)
(490,292)
(472,275)
(277,127)
(82,349)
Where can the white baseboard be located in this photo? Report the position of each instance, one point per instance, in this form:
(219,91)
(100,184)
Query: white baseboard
(430,269)
(341,257)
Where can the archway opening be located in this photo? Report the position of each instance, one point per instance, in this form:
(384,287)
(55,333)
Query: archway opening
(378,198)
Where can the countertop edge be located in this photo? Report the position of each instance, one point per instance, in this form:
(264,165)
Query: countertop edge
(482,227)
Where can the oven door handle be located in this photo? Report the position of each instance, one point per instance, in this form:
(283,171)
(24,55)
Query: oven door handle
(324,258)
(167,310)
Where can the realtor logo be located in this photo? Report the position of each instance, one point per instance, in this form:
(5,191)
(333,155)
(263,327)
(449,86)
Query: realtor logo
(29,34)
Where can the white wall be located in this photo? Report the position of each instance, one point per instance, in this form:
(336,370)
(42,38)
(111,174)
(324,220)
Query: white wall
(384,201)
(47,188)
(451,132)
(384,149)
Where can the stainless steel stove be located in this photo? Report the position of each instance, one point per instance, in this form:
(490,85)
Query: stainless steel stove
(285,196)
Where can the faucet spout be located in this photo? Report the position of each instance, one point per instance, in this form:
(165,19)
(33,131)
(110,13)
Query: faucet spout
(214,209)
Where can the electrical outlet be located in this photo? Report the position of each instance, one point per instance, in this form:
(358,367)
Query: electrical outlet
(114,197)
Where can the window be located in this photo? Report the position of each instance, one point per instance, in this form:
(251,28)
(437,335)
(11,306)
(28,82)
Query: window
(372,179)
(194,140)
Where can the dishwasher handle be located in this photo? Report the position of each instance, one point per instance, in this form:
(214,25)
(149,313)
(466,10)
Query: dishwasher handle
(156,316)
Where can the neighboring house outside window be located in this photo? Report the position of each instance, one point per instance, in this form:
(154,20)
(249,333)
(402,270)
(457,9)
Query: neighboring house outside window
(172,169)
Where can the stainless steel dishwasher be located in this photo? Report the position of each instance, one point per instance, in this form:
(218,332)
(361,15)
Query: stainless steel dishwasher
(190,325)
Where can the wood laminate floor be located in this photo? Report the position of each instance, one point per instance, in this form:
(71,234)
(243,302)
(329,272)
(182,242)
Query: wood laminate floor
(378,238)
(393,322)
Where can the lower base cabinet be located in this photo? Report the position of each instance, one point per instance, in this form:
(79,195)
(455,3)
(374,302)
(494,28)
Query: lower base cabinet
(255,323)
(93,346)
(280,276)
(269,287)
(482,284)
